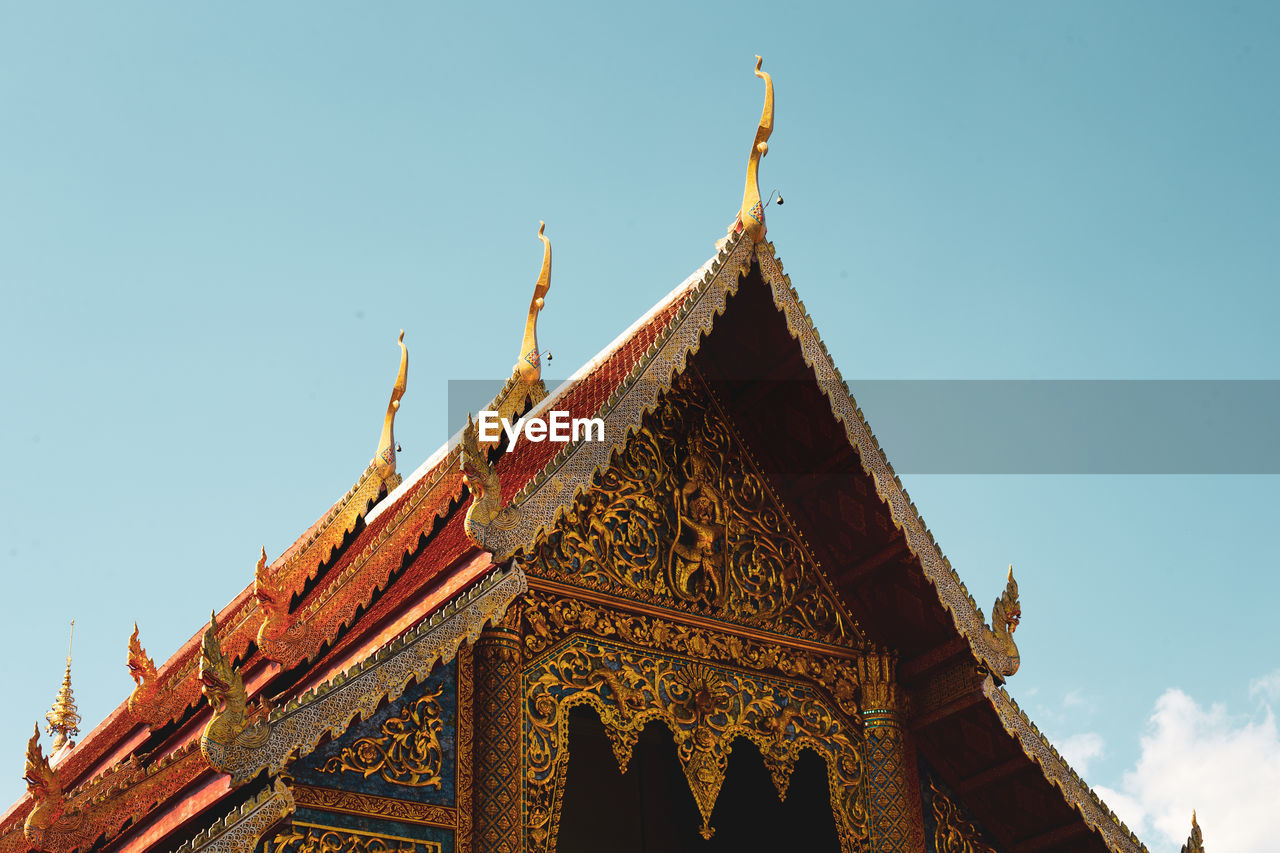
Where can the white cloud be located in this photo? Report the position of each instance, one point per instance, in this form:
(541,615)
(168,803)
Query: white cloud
(1080,749)
(1266,688)
(1075,699)
(1226,767)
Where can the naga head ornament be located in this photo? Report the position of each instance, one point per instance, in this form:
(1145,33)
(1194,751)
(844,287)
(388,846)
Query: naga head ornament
(141,667)
(218,679)
(273,601)
(37,773)
(222,684)
(1007,612)
(45,789)
(1006,615)
(482,480)
(143,671)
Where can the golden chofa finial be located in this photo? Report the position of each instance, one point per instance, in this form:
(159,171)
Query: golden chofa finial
(529,367)
(751,214)
(63,718)
(1195,842)
(385,459)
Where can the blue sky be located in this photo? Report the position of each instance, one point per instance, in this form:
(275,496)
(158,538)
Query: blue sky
(214,220)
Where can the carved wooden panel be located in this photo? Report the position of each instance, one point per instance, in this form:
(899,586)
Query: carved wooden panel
(683,519)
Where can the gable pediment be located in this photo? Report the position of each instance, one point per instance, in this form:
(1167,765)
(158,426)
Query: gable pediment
(682,518)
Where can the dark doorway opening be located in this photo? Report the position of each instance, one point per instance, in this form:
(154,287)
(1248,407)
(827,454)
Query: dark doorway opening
(650,808)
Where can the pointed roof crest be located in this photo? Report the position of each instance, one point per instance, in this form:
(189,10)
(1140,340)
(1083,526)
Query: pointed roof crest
(751,214)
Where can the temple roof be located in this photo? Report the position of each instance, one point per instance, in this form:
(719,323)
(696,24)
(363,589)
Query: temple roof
(399,572)
(410,554)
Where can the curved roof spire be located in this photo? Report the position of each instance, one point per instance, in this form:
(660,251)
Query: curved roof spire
(751,214)
(385,459)
(1195,843)
(529,367)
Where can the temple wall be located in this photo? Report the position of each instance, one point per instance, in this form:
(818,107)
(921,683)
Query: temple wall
(400,780)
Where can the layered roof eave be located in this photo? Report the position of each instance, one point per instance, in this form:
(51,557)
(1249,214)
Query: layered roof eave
(674,328)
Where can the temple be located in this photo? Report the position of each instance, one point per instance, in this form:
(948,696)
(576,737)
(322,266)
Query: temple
(720,625)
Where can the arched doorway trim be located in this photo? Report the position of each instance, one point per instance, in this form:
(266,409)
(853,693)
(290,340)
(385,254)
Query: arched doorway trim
(705,706)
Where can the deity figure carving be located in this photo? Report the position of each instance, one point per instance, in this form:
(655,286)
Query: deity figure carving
(696,563)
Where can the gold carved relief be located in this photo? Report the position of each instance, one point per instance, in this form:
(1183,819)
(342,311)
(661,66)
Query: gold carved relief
(406,751)
(705,707)
(305,838)
(549,618)
(953,832)
(682,518)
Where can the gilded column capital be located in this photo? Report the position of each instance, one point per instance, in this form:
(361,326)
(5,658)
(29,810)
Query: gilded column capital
(894,808)
(877,676)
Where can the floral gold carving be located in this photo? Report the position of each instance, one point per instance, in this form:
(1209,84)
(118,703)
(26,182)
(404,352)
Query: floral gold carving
(407,750)
(372,805)
(953,832)
(705,707)
(549,618)
(683,519)
(303,838)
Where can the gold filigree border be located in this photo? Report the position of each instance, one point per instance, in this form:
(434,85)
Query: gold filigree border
(706,708)
(371,805)
(549,618)
(464,741)
(242,829)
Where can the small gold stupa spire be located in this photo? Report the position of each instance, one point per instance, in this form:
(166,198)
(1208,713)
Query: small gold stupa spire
(63,718)
(751,214)
(529,367)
